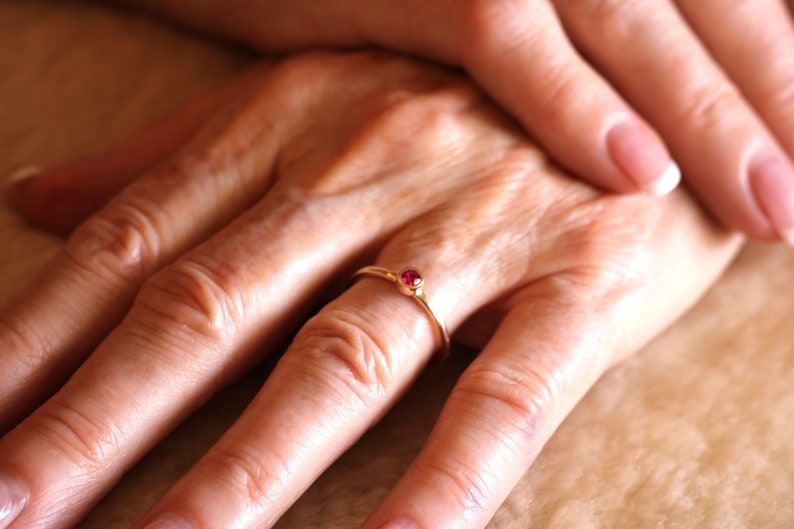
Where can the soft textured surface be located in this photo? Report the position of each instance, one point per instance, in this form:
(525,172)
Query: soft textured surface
(693,432)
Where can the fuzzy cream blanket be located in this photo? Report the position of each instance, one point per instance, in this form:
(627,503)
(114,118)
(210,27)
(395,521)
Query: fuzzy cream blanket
(696,431)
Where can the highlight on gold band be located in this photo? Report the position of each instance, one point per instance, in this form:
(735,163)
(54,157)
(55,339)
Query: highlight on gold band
(409,281)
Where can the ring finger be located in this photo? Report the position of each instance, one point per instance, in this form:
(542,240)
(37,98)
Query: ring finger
(351,362)
(202,320)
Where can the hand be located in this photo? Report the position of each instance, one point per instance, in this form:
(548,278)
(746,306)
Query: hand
(209,260)
(606,86)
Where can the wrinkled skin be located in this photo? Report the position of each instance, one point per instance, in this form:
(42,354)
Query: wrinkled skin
(218,246)
(613,90)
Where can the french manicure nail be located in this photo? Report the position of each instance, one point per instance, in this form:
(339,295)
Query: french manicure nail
(13,497)
(643,158)
(665,184)
(772,182)
(169,521)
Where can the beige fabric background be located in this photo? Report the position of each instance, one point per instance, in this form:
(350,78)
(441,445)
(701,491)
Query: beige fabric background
(694,432)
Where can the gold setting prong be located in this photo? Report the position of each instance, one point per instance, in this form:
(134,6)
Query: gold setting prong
(410,282)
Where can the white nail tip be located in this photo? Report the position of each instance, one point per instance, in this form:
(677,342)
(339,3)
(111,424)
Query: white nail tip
(788,235)
(23,173)
(666,183)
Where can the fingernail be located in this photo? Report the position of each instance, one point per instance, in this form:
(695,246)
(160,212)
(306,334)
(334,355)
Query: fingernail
(772,182)
(13,497)
(169,521)
(643,158)
(14,182)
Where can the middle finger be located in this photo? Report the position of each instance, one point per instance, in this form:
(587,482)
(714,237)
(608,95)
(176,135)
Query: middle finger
(650,53)
(351,362)
(201,321)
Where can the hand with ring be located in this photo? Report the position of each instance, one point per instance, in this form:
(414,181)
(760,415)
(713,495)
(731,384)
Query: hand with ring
(271,191)
(619,92)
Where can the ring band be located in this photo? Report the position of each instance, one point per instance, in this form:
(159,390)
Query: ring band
(409,281)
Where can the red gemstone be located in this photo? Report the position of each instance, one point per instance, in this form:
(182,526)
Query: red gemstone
(411,278)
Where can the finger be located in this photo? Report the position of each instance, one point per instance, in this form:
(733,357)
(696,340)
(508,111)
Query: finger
(51,326)
(559,336)
(502,411)
(195,326)
(59,198)
(518,52)
(203,320)
(521,56)
(353,360)
(652,56)
(753,43)
(334,383)
(350,363)
(515,49)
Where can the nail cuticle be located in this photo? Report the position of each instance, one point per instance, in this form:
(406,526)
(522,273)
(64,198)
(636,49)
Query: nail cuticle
(642,158)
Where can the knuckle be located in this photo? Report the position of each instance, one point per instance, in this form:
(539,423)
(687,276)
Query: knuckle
(526,395)
(294,71)
(345,354)
(254,474)
(471,489)
(611,14)
(429,115)
(400,131)
(206,300)
(483,24)
(605,243)
(711,106)
(560,90)
(778,99)
(604,24)
(323,67)
(28,347)
(121,241)
(87,438)
(406,111)
(478,17)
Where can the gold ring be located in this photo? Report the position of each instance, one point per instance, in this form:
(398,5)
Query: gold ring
(409,281)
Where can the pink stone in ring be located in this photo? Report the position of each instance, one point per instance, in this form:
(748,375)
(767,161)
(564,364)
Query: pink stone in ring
(411,278)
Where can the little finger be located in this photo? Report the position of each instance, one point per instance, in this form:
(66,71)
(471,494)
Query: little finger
(558,336)
(204,319)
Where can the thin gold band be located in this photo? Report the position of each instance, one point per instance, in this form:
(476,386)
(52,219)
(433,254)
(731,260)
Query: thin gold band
(409,281)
